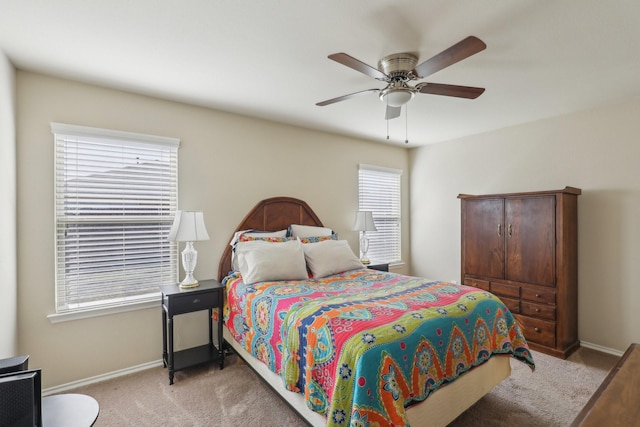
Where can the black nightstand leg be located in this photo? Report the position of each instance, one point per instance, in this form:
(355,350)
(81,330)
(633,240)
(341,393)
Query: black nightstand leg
(171,350)
(164,338)
(220,339)
(211,326)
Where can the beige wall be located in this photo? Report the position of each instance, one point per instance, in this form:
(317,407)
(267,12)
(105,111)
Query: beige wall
(227,164)
(597,151)
(8,262)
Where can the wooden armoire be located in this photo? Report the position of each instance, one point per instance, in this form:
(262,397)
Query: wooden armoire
(523,248)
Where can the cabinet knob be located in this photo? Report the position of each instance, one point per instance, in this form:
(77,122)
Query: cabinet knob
(537,310)
(196,300)
(536,329)
(537,295)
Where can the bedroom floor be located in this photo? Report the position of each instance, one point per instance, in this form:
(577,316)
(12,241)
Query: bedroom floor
(205,396)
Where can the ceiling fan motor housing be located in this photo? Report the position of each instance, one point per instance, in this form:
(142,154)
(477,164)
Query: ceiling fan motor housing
(398,67)
(401,63)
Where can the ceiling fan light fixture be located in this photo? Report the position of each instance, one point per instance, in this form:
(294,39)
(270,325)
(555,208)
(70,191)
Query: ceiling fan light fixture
(396,97)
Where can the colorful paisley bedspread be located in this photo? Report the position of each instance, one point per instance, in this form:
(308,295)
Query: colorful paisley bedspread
(363,344)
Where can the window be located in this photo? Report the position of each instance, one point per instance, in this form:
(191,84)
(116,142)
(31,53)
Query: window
(115,198)
(379,192)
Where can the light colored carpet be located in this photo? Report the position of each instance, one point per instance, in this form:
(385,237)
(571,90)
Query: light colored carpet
(550,396)
(205,396)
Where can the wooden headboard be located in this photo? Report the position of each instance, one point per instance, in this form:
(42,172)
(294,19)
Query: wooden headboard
(276,213)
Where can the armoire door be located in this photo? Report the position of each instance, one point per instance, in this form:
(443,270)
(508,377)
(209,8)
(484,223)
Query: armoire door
(483,243)
(530,240)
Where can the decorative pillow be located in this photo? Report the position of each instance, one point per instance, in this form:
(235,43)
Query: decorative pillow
(237,234)
(316,239)
(296,230)
(251,237)
(261,261)
(330,257)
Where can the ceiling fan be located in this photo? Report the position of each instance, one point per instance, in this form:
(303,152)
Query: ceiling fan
(399,69)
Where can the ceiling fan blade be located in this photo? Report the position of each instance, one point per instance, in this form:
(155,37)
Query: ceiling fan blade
(392,112)
(450,90)
(459,51)
(357,65)
(345,97)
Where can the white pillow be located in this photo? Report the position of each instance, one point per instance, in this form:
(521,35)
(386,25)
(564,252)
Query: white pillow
(309,231)
(251,233)
(330,257)
(261,261)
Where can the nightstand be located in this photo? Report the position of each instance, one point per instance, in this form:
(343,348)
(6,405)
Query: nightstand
(379,266)
(207,296)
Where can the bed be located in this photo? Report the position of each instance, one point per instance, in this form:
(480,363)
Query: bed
(360,347)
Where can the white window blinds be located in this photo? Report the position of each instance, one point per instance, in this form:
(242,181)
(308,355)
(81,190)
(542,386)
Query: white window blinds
(116,195)
(379,192)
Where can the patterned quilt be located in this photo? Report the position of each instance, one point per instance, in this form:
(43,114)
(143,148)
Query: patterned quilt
(364,344)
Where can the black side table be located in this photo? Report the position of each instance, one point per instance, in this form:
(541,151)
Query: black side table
(207,296)
(379,266)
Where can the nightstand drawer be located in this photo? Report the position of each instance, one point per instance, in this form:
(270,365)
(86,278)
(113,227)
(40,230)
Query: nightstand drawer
(188,303)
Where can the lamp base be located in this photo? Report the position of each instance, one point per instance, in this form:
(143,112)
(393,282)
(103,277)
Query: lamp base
(189,282)
(189,260)
(364,248)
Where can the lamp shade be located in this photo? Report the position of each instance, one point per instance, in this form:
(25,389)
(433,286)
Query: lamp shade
(364,222)
(188,226)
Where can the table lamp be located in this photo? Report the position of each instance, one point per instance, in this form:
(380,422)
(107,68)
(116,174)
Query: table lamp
(364,222)
(188,226)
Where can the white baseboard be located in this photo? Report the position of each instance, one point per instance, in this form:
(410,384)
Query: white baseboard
(601,348)
(102,377)
(149,365)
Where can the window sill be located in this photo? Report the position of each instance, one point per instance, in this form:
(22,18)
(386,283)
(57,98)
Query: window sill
(105,311)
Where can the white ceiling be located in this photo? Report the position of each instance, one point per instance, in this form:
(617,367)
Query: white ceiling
(268,59)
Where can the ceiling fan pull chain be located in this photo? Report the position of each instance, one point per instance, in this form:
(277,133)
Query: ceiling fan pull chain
(406,125)
(387,118)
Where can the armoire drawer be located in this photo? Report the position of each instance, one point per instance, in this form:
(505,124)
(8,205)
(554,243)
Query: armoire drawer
(536,330)
(504,290)
(477,283)
(539,295)
(541,311)
(511,303)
